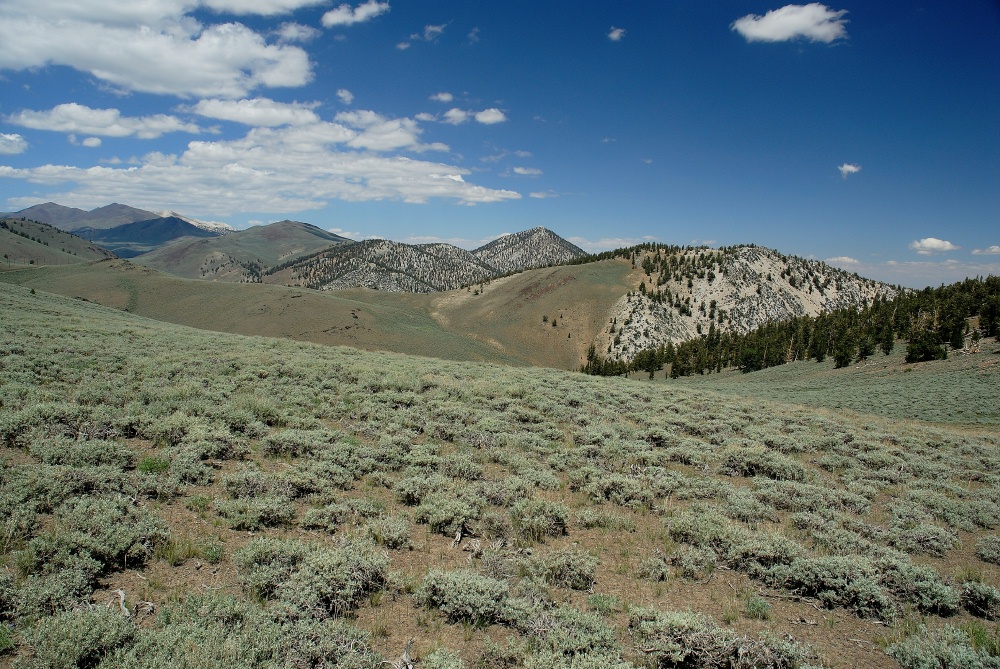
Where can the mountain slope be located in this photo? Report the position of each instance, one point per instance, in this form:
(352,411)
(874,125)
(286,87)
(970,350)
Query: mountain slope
(32,243)
(683,292)
(133,239)
(71,218)
(537,247)
(394,266)
(241,256)
(381,264)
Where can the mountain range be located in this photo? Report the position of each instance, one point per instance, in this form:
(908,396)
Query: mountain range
(515,294)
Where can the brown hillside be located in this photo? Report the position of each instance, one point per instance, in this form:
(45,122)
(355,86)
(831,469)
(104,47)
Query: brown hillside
(508,321)
(549,316)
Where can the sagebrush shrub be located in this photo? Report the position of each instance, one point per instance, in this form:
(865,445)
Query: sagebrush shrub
(389,531)
(465,596)
(536,519)
(566,568)
(312,581)
(947,646)
(74,639)
(850,582)
(447,515)
(760,461)
(988,549)
(981,600)
(674,639)
(441,658)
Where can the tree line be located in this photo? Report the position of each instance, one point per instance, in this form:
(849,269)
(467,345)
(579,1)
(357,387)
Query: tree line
(931,321)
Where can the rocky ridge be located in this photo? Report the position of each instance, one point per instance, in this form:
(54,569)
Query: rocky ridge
(424,268)
(682,295)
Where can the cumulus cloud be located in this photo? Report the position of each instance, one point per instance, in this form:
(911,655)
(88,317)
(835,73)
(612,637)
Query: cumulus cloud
(379,133)
(843,260)
(988,251)
(616,34)
(296,32)
(848,169)
(456,116)
(543,195)
(442,97)
(490,116)
(345,16)
(931,245)
(345,96)
(257,112)
(815,22)
(72,118)
(152,46)
(527,171)
(12,144)
(91,142)
(259,7)
(272,170)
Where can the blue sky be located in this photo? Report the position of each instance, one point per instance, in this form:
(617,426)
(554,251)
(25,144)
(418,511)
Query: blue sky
(865,134)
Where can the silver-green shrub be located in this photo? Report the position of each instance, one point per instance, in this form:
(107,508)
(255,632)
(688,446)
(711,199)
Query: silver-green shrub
(465,596)
(536,519)
(945,647)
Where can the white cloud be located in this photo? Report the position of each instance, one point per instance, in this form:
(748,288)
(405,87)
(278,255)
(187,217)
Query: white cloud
(843,260)
(431,33)
(73,118)
(403,46)
(92,142)
(814,21)
(931,245)
(296,32)
(442,97)
(989,251)
(378,133)
(527,171)
(152,46)
(616,34)
(345,16)
(259,7)
(473,36)
(345,96)
(490,116)
(848,169)
(257,112)
(456,116)
(543,195)
(12,144)
(270,170)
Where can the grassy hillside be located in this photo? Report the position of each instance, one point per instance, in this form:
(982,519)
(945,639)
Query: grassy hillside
(508,321)
(965,389)
(251,502)
(242,255)
(32,243)
(303,315)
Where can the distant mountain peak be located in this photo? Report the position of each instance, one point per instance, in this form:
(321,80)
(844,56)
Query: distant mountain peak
(528,249)
(212,226)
